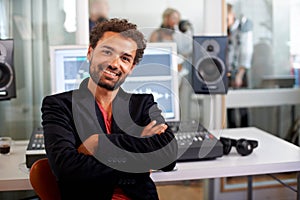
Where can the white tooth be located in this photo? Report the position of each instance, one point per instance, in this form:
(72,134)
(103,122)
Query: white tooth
(110,73)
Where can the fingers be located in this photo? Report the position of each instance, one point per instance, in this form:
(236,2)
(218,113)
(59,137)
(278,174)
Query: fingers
(151,124)
(159,128)
(89,146)
(84,150)
(152,128)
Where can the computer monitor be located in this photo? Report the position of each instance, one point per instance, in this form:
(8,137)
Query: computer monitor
(157,74)
(68,67)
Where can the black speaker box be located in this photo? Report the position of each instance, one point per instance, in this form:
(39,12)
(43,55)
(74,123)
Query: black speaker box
(209,71)
(7,72)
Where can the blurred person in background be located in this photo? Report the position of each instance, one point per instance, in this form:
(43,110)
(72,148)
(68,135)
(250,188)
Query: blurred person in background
(99,10)
(240,50)
(174,29)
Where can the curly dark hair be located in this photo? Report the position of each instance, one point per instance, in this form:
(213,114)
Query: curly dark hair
(125,28)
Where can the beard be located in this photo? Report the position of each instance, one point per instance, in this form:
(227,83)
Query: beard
(100,80)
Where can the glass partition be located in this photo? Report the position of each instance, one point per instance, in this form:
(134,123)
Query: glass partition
(275,58)
(33,26)
(275,40)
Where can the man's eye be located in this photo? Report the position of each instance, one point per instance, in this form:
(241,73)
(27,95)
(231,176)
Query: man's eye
(126,59)
(106,52)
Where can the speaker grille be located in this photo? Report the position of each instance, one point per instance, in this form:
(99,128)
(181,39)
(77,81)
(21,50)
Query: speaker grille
(7,73)
(210,70)
(5,76)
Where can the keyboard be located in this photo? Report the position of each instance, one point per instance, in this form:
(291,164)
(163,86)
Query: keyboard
(36,147)
(195,142)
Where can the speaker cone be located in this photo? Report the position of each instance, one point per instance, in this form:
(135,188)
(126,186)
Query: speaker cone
(210,70)
(5,75)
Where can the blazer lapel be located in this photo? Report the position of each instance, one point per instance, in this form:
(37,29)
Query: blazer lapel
(87,117)
(122,118)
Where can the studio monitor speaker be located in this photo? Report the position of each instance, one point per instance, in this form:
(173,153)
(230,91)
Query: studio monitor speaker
(209,71)
(7,72)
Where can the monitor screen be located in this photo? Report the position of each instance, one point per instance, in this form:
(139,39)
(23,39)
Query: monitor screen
(155,74)
(68,67)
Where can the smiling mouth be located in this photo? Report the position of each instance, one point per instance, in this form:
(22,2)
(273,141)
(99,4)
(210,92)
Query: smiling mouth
(111,73)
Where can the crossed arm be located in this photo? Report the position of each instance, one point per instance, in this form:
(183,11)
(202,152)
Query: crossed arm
(90,145)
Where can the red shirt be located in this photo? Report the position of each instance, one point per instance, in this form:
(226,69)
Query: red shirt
(118,192)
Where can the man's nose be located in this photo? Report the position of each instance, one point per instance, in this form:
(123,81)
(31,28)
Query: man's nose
(116,61)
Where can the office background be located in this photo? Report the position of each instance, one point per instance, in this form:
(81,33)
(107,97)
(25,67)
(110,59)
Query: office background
(35,25)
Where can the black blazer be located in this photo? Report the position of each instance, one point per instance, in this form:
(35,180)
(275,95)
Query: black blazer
(123,159)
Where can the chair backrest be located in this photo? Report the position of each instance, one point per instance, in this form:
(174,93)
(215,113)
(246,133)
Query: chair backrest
(43,180)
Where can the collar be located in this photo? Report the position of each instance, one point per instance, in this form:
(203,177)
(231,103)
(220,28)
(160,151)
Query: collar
(84,92)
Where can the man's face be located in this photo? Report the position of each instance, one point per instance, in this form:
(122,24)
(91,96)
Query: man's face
(111,61)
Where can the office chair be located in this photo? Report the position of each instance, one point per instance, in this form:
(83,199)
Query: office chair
(43,180)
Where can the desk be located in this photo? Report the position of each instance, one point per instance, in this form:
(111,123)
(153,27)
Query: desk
(13,171)
(216,105)
(273,155)
(278,81)
(262,97)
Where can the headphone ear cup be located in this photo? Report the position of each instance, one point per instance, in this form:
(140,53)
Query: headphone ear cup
(244,147)
(254,143)
(226,145)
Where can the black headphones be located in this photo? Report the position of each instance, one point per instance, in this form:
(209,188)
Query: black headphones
(184,25)
(243,146)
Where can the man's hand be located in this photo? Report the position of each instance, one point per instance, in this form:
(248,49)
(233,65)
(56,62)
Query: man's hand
(239,77)
(153,128)
(89,146)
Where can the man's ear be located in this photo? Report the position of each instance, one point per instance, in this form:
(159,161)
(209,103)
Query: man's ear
(89,53)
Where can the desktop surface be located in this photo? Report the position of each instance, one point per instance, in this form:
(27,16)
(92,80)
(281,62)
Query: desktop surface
(14,175)
(278,81)
(273,155)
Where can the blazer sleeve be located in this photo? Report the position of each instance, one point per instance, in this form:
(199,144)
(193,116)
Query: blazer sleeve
(62,141)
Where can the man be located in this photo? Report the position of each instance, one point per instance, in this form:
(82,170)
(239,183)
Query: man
(102,142)
(240,49)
